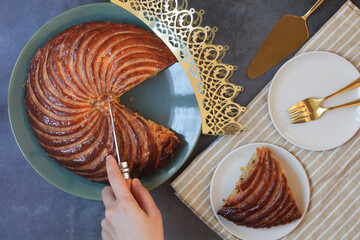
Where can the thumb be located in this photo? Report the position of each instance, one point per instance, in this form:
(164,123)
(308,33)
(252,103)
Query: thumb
(143,197)
(117,182)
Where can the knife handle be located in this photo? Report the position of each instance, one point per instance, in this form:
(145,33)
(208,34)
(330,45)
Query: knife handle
(312,9)
(125,171)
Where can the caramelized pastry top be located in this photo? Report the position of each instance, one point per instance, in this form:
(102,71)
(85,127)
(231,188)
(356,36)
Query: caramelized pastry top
(263,197)
(68,84)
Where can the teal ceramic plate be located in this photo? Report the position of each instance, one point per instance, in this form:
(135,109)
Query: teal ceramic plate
(167,99)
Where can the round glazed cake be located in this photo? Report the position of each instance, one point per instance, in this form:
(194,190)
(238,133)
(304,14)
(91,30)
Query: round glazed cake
(69,83)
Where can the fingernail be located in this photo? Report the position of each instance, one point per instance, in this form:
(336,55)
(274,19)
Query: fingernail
(108,157)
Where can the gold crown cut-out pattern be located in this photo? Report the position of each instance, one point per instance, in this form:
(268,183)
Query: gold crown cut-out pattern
(193,46)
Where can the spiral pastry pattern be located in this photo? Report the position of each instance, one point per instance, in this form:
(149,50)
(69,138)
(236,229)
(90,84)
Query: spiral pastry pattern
(69,82)
(263,198)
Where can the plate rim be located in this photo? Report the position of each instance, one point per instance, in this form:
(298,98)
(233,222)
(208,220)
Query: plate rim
(267,145)
(11,109)
(271,90)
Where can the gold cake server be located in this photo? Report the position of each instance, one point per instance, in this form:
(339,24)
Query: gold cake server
(288,34)
(124,167)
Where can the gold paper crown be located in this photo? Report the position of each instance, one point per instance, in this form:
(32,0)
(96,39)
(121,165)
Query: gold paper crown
(193,46)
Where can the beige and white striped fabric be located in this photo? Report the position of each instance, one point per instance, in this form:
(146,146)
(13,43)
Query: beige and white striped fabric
(334,211)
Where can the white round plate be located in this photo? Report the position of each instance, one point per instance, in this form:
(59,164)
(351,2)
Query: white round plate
(227,174)
(315,74)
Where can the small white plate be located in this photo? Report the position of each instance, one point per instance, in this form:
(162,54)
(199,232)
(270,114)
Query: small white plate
(227,174)
(315,74)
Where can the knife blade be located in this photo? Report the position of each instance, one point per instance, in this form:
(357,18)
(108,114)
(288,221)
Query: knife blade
(124,168)
(288,34)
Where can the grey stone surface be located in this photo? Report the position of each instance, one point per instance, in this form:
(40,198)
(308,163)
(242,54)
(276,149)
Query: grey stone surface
(31,208)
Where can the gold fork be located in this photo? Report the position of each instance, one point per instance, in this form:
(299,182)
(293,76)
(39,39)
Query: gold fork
(308,108)
(307,117)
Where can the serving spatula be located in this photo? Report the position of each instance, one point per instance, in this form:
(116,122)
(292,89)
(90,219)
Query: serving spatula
(288,34)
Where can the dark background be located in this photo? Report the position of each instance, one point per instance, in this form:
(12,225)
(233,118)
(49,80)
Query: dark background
(31,208)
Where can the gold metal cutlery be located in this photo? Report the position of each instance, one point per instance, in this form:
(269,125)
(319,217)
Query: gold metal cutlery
(310,109)
(288,34)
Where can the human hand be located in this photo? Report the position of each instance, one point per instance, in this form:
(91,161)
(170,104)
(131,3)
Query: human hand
(128,215)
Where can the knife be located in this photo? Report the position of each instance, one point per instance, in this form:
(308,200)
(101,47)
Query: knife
(124,167)
(288,34)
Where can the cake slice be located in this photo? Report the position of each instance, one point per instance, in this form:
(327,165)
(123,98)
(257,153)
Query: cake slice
(262,197)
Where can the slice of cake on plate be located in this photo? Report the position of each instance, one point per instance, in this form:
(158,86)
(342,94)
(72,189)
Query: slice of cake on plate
(262,197)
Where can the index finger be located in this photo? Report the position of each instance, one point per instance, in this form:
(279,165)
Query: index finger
(116,179)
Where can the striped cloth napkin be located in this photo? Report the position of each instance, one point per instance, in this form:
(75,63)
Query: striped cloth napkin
(334,210)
